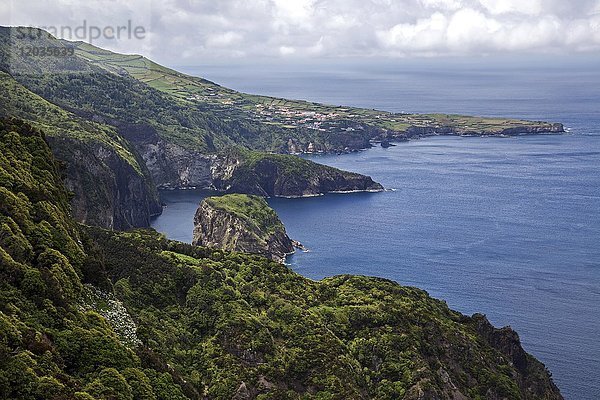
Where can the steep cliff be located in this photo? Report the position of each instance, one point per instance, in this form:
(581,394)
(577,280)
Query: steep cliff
(534,378)
(243,223)
(107,190)
(175,166)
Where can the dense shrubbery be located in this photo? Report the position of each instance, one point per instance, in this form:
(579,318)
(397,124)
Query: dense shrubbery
(214,324)
(49,348)
(223,319)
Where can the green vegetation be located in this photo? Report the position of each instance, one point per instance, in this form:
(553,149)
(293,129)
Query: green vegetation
(213,324)
(253,210)
(17,101)
(292,165)
(228,320)
(104,121)
(129,91)
(49,347)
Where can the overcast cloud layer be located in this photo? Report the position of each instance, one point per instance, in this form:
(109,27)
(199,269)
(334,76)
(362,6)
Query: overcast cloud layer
(200,31)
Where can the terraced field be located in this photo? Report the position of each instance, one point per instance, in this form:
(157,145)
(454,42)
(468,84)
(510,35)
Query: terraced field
(291,113)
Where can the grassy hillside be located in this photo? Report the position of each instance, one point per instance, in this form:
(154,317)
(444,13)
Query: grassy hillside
(17,101)
(322,123)
(87,313)
(124,90)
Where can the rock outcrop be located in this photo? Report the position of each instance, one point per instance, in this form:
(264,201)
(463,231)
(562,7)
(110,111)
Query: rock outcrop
(534,378)
(278,175)
(242,223)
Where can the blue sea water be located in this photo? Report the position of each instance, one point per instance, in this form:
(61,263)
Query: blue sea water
(505,226)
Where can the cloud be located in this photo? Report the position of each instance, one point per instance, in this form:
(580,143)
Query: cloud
(200,31)
(442,4)
(425,35)
(529,7)
(225,39)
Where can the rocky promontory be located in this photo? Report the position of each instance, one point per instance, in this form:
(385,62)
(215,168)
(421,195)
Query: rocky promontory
(238,222)
(279,175)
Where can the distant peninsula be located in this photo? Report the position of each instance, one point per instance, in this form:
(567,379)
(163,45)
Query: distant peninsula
(125,126)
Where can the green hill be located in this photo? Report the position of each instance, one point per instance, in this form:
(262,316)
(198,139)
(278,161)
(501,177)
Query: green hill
(326,126)
(87,313)
(112,129)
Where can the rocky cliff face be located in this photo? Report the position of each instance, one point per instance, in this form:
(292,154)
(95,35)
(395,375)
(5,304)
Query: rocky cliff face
(173,166)
(107,191)
(534,378)
(241,223)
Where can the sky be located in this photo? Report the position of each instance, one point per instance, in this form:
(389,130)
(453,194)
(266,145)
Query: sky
(194,32)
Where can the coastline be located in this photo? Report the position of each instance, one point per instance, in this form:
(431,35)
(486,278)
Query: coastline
(402,137)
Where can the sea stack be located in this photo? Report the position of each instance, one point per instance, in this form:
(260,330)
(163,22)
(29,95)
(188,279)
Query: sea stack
(243,223)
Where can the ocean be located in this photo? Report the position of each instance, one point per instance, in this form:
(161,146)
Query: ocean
(509,227)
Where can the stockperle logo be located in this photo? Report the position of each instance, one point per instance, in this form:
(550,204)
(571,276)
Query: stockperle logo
(86,32)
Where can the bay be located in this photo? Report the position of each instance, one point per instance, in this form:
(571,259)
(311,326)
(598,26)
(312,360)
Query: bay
(509,227)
